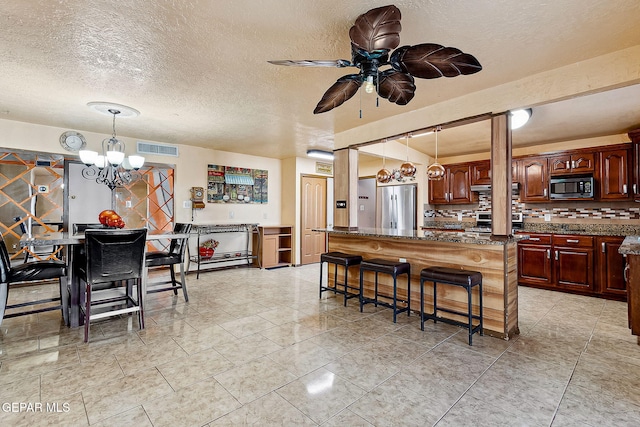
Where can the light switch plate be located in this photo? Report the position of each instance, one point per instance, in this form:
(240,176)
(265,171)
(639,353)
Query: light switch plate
(547,217)
(186,204)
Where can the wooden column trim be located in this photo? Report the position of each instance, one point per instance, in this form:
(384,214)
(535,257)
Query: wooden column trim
(501,175)
(345,188)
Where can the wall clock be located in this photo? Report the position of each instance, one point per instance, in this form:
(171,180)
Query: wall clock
(72,141)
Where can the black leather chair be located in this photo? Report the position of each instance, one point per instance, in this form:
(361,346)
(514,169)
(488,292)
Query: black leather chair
(35,271)
(82,227)
(113,257)
(40,253)
(174,256)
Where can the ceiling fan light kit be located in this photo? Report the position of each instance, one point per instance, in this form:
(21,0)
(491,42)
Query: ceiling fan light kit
(373,35)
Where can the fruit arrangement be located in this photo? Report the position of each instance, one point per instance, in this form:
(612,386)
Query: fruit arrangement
(110,218)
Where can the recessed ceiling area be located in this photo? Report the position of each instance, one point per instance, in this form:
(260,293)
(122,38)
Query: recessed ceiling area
(611,112)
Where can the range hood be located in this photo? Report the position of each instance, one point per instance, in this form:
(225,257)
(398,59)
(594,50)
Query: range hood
(515,187)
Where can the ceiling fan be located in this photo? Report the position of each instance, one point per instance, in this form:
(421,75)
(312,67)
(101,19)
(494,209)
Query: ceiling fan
(373,35)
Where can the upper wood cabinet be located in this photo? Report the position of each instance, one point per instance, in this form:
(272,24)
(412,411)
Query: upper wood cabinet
(454,188)
(572,163)
(613,174)
(481,172)
(534,177)
(635,163)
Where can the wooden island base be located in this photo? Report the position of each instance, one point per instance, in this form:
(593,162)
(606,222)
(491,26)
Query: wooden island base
(496,260)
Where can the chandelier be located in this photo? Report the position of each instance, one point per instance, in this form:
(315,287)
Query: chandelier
(111,167)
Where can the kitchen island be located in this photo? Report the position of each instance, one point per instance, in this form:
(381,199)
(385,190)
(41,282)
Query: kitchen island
(495,257)
(631,249)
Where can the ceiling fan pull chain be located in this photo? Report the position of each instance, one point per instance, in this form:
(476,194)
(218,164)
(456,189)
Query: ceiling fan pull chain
(360,94)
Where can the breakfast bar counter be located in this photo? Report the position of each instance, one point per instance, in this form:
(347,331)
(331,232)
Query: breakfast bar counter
(495,257)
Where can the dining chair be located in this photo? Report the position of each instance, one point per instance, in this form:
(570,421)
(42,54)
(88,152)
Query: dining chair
(31,272)
(82,227)
(113,257)
(39,253)
(175,255)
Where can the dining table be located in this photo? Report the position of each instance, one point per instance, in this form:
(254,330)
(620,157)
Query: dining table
(71,242)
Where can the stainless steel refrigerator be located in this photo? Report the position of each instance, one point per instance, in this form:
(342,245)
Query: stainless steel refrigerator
(396,207)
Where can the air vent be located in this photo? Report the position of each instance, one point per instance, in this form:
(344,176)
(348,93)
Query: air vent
(157,149)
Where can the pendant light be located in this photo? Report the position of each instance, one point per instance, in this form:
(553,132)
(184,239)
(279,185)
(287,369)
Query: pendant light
(383,176)
(435,171)
(407,169)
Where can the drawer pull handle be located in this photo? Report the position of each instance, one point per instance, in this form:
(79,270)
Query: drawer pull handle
(604,247)
(537,239)
(573,241)
(556,255)
(548,253)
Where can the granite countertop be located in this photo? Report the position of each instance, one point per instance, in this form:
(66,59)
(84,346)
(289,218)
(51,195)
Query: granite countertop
(439,236)
(630,246)
(538,227)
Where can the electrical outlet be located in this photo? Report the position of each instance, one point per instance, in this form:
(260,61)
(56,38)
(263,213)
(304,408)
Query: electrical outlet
(127,203)
(186,204)
(231,214)
(265,215)
(547,217)
(459,216)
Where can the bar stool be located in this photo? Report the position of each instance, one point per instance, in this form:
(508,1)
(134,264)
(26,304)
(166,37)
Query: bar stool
(393,268)
(451,276)
(346,260)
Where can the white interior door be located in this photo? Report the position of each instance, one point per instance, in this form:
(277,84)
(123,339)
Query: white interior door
(84,198)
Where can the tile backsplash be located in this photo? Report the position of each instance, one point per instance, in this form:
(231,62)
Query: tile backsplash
(559,211)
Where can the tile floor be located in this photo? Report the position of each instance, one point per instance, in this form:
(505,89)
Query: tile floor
(257,347)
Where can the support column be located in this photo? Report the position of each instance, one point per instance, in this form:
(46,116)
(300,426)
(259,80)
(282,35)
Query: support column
(345,189)
(501,175)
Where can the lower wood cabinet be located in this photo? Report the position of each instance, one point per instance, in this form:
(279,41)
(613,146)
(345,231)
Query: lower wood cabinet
(611,266)
(274,246)
(587,265)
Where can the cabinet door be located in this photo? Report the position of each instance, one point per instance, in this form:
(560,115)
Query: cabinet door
(583,162)
(614,175)
(481,173)
(635,147)
(560,165)
(535,180)
(516,165)
(574,268)
(611,266)
(439,190)
(459,185)
(534,265)
(270,251)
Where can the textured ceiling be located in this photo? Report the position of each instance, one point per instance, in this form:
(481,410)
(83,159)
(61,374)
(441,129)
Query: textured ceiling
(198,72)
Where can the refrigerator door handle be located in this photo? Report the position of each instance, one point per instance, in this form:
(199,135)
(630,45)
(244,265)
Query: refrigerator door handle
(395,211)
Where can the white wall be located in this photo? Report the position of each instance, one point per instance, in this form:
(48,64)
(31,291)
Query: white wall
(190,170)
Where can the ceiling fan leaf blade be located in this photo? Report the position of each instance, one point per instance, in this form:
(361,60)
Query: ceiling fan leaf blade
(339,63)
(342,90)
(377,29)
(397,87)
(430,61)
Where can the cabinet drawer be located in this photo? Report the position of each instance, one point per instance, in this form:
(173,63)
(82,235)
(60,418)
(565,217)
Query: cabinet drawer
(536,239)
(573,241)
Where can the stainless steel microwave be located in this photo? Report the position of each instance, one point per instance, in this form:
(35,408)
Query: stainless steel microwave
(571,187)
